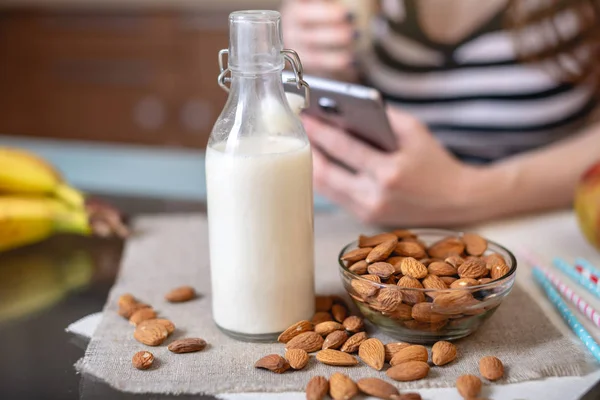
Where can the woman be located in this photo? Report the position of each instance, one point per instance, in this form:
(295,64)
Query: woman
(492,103)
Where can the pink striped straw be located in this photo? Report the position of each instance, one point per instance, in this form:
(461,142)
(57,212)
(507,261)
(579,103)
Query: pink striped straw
(588,274)
(564,289)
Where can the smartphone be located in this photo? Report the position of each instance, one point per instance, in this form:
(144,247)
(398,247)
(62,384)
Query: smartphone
(358,109)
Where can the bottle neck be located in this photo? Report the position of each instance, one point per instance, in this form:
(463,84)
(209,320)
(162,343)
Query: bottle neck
(252,87)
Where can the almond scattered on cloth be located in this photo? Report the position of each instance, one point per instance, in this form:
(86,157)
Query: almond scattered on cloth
(468,386)
(142,360)
(274,363)
(341,387)
(187,345)
(491,368)
(317,388)
(377,388)
(181,294)
(297,358)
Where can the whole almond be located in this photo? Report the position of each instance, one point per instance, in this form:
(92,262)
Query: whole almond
(126,300)
(335,340)
(317,388)
(452,301)
(357,254)
(294,330)
(448,280)
(473,268)
(354,324)
(381,269)
(403,312)
(425,326)
(325,328)
(142,315)
(364,289)
(455,261)
(372,353)
(274,363)
(307,341)
(392,348)
(321,316)
(187,345)
(181,294)
(408,371)
(410,396)
(170,326)
(388,299)
(493,259)
(297,358)
(359,268)
(423,312)
(468,386)
(446,248)
(443,353)
(372,241)
(433,282)
(414,352)
(499,270)
(410,249)
(372,278)
(352,344)
(151,335)
(464,282)
(377,388)
(441,268)
(411,296)
(323,303)
(128,309)
(491,368)
(142,359)
(382,251)
(475,245)
(413,268)
(339,312)
(396,262)
(403,234)
(336,357)
(341,387)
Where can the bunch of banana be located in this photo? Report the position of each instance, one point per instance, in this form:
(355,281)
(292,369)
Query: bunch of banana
(35,202)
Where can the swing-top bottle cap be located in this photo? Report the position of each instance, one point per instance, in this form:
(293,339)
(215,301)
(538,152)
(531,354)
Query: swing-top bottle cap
(255,41)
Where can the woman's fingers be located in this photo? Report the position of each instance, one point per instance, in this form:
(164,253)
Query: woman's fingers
(341,146)
(336,183)
(407,128)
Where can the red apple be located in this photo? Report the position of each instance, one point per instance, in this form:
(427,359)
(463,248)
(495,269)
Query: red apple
(587,204)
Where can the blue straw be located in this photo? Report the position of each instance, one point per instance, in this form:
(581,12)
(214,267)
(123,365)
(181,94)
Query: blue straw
(587,265)
(566,314)
(572,273)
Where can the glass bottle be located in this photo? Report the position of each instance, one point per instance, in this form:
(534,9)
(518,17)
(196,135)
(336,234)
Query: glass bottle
(259,187)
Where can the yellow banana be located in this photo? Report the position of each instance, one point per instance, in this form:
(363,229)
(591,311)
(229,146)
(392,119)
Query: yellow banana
(24,173)
(25,220)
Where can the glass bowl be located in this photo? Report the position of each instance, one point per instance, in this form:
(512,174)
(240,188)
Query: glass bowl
(442,314)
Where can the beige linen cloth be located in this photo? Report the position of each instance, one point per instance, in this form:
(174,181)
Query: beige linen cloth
(173,250)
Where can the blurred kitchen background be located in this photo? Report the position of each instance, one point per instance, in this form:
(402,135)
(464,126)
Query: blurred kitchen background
(121,95)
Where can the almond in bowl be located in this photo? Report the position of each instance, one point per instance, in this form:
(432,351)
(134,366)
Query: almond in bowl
(433,285)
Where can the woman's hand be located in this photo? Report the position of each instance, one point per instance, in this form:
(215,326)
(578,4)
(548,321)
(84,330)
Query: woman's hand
(322,33)
(421,184)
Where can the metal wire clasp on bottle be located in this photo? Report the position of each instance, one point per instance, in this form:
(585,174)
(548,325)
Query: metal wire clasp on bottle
(290,55)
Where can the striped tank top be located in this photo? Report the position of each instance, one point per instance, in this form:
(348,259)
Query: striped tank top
(475,96)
